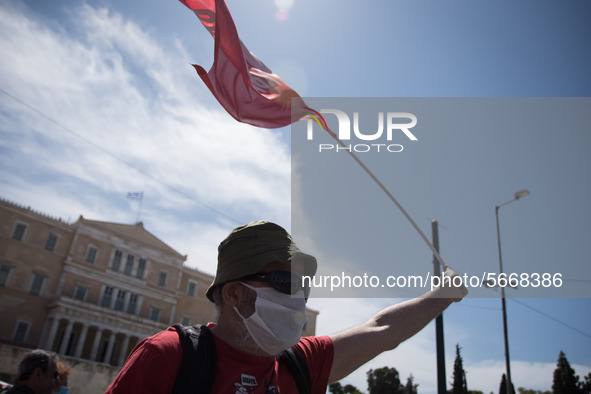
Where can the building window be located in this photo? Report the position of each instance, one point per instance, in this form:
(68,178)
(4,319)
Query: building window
(162,278)
(154,314)
(107,297)
(191,289)
(185,321)
(132,306)
(116,262)
(129,264)
(20,331)
(19,231)
(80,293)
(51,242)
(4,273)
(141,268)
(36,284)
(120,300)
(91,254)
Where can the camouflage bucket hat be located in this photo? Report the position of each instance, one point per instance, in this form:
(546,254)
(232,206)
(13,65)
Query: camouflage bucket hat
(248,248)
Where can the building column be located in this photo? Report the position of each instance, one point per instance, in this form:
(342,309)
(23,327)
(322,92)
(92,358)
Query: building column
(66,339)
(123,352)
(44,333)
(110,346)
(60,286)
(172,312)
(96,343)
(52,333)
(81,340)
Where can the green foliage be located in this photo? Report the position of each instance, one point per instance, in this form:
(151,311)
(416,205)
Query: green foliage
(503,386)
(585,384)
(410,387)
(522,390)
(565,381)
(387,381)
(336,388)
(383,381)
(350,389)
(459,384)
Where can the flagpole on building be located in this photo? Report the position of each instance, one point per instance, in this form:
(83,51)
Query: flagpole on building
(137,220)
(136,196)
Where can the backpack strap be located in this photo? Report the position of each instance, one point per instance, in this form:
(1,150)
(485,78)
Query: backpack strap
(198,367)
(299,368)
(196,374)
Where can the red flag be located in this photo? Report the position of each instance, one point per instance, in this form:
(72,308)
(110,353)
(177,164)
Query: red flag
(243,85)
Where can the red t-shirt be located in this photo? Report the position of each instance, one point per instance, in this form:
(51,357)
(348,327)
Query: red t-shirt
(153,364)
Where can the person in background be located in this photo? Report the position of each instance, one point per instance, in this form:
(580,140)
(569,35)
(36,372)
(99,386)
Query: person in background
(37,374)
(61,386)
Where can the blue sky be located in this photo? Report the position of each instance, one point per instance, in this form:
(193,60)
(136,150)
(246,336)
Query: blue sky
(99,99)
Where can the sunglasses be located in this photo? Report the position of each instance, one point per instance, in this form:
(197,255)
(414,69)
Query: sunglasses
(282,281)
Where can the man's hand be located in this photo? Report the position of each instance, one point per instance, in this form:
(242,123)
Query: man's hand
(451,286)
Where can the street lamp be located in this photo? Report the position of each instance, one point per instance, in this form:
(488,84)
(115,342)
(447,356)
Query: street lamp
(518,195)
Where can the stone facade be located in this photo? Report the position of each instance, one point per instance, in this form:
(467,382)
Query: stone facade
(91,290)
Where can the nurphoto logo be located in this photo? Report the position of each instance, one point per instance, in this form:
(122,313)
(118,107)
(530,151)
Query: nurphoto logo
(380,140)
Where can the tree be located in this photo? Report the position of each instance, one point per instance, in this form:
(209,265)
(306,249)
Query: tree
(350,389)
(459,384)
(522,390)
(384,381)
(503,386)
(410,387)
(565,381)
(585,385)
(336,388)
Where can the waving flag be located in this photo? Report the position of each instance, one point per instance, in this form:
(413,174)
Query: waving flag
(252,94)
(243,85)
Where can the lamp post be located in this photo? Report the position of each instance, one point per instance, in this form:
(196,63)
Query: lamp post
(518,195)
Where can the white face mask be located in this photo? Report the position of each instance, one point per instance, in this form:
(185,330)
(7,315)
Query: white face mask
(277,321)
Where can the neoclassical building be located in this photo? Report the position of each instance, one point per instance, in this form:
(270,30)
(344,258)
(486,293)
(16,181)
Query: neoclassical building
(91,290)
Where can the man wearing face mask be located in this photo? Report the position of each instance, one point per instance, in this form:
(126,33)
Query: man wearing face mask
(261,307)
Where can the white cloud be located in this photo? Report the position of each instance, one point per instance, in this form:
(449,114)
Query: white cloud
(119,97)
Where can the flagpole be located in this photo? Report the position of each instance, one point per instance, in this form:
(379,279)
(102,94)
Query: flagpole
(391,197)
(137,220)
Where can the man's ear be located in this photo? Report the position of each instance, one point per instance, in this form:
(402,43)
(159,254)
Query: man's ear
(37,372)
(232,293)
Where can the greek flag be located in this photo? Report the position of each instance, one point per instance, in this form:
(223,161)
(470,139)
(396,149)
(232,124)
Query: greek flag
(135,195)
